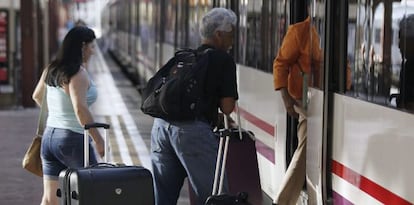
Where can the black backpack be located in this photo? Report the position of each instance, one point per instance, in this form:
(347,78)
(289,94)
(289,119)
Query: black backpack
(175,91)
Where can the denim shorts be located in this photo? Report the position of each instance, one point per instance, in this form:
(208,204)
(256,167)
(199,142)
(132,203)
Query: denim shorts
(61,149)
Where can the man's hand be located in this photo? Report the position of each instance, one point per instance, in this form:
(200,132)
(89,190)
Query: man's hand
(289,103)
(230,121)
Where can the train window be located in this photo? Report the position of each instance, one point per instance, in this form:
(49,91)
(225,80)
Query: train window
(126,17)
(181,26)
(147,29)
(250,32)
(134,18)
(170,21)
(144,28)
(377,35)
(135,30)
(380,58)
(262,26)
(118,18)
(222,3)
(317,39)
(280,18)
(268,35)
(196,13)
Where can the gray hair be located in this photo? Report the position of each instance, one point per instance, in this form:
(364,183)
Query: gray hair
(407,26)
(217,19)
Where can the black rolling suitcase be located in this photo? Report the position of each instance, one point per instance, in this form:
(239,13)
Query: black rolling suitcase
(217,197)
(104,183)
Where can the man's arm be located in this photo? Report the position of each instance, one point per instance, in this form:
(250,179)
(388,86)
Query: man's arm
(227,105)
(287,55)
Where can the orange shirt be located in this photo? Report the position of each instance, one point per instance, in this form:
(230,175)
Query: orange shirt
(295,55)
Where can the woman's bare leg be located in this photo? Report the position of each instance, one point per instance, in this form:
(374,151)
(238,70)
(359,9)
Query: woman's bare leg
(49,192)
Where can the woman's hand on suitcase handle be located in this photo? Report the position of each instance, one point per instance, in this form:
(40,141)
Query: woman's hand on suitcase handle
(99,142)
(100,147)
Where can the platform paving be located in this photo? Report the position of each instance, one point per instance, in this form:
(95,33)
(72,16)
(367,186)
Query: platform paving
(17,128)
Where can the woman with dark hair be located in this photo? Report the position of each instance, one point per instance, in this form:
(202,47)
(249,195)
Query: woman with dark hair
(69,93)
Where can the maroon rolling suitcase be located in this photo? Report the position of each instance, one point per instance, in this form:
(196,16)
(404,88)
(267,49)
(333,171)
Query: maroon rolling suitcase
(104,183)
(218,197)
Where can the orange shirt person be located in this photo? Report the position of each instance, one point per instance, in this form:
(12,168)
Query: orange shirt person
(299,52)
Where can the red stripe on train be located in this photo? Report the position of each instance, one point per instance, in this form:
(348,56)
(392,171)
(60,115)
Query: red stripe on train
(370,187)
(366,185)
(261,148)
(257,122)
(265,151)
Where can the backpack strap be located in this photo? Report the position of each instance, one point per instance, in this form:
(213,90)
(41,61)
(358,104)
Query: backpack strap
(204,105)
(201,53)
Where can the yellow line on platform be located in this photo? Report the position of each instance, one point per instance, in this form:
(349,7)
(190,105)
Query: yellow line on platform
(114,147)
(132,151)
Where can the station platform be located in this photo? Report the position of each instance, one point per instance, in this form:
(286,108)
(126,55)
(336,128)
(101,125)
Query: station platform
(118,105)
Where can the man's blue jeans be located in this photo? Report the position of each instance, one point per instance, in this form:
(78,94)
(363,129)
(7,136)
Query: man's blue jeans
(182,149)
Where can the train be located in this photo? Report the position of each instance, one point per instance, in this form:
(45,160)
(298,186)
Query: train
(359,141)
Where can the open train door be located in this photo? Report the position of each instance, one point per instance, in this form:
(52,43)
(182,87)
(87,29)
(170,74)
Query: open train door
(329,18)
(315,99)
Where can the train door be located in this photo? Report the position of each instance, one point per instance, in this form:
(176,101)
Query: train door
(351,150)
(315,102)
(313,95)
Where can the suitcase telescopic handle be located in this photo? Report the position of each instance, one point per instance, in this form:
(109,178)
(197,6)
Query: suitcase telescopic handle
(221,160)
(86,141)
(96,125)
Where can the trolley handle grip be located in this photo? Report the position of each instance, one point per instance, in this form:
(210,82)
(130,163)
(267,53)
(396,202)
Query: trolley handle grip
(86,141)
(102,165)
(96,125)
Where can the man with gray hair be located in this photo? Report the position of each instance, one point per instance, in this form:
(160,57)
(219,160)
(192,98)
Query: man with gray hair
(406,40)
(181,149)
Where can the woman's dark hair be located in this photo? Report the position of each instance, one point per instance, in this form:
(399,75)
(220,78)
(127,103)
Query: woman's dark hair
(69,57)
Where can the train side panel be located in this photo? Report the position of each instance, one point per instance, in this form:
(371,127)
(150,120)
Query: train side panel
(262,111)
(372,153)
